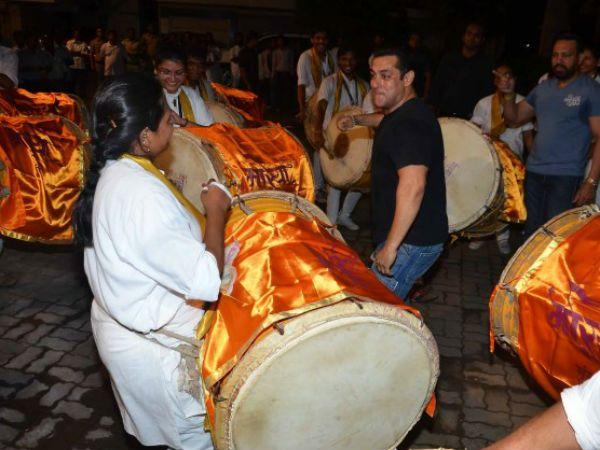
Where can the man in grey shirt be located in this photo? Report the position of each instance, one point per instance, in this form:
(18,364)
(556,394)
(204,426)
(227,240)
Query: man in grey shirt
(567,108)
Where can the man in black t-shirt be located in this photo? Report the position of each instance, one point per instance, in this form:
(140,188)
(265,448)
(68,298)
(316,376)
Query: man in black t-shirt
(408,188)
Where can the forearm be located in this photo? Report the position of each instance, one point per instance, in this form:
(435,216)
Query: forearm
(408,202)
(371,120)
(214,237)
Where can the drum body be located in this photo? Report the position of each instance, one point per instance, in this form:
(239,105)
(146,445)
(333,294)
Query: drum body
(346,161)
(474,192)
(504,307)
(308,347)
(225,114)
(245,160)
(310,122)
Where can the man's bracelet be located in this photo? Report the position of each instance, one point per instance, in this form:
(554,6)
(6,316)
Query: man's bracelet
(592,181)
(354,121)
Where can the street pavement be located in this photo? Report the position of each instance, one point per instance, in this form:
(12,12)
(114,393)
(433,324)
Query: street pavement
(55,393)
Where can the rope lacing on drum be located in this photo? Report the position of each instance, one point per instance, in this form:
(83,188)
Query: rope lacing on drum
(242,204)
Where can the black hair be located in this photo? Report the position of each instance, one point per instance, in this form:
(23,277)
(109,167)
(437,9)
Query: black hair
(402,63)
(317,31)
(123,106)
(595,51)
(344,50)
(169,53)
(195,52)
(569,36)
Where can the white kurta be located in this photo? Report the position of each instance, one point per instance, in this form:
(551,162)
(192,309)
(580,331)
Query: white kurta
(304,71)
(147,258)
(201,113)
(582,407)
(353,97)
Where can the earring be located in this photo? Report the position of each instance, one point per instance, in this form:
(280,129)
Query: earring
(145,141)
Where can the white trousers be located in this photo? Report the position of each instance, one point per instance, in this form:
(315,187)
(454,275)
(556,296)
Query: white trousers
(333,203)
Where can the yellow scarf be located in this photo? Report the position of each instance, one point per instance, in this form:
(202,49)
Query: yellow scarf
(147,164)
(203,91)
(498,126)
(338,92)
(316,67)
(186,106)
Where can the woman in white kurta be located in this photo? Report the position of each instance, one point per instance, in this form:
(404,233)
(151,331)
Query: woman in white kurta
(144,257)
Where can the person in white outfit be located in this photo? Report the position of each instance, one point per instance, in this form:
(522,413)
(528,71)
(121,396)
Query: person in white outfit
(343,88)
(184,101)
(145,257)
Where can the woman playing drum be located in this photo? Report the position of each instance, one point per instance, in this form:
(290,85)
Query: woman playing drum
(145,255)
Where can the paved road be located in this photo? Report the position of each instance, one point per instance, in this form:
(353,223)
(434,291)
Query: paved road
(55,394)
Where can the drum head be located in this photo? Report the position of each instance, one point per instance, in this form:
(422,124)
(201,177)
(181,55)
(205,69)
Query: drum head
(224,114)
(339,377)
(473,173)
(349,153)
(504,306)
(188,162)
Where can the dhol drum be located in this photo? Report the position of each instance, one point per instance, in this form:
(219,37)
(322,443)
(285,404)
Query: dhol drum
(244,159)
(474,188)
(310,122)
(305,339)
(543,302)
(42,167)
(346,160)
(225,114)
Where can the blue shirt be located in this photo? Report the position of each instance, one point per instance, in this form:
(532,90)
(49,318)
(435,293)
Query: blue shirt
(563,140)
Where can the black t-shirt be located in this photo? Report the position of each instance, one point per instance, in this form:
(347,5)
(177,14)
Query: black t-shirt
(410,135)
(460,83)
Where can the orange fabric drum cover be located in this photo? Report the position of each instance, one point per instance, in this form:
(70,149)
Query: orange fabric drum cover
(248,103)
(513,177)
(21,102)
(265,158)
(559,313)
(285,266)
(44,160)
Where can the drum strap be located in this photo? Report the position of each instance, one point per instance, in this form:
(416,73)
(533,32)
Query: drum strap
(498,127)
(317,69)
(359,90)
(185,107)
(203,90)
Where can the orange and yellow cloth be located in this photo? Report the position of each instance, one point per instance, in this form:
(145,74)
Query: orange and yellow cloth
(247,103)
(43,162)
(265,158)
(513,177)
(15,102)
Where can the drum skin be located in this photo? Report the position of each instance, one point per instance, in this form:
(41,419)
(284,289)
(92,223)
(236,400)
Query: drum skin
(225,114)
(346,160)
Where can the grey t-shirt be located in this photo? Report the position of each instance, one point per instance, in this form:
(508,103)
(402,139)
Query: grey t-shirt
(562,143)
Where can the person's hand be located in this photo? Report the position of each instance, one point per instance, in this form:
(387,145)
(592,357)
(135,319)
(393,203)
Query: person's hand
(215,201)
(176,119)
(384,259)
(585,194)
(345,123)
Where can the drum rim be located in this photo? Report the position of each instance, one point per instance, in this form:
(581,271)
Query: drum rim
(240,122)
(471,220)
(233,385)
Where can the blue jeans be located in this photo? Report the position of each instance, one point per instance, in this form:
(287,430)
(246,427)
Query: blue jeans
(411,262)
(547,196)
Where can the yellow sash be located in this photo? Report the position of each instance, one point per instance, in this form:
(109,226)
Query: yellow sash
(338,92)
(147,164)
(316,67)
(203,91)
(498,126)
(186,106)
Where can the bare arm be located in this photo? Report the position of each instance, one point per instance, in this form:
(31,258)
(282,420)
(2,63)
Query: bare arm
(528,140)
(587,191)
(216,204)
(549,430)
(409,195)
(371,120)
(517,114)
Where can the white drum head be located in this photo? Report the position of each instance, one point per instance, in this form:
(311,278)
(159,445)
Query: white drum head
(473,172)
(224,114)
(339,378)
(349,155)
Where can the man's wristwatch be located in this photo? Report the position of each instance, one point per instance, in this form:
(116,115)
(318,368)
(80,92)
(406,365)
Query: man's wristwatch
(592,181)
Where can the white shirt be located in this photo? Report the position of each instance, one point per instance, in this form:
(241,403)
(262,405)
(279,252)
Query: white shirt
(264,69)
(9,64)
(582,407)
(283,60)
(349,97)
(114,58)
(202,115)
(147,258)
(513,137)
(304,72)
(78,48)
(234,52)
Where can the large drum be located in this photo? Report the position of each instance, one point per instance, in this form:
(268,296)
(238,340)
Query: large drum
(474,190)
(307,348)
(42,167)
(244,159)
(223,113)
(547,302)
(346,160)
(310,122)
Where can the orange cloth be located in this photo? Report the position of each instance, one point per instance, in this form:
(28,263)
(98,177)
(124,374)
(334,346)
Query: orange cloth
(247,103)
(16,102)
(265,158)
(513,177)
(44,163)
(286,265)
(559,313)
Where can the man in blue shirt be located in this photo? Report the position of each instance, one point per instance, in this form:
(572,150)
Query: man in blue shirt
(567,108)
